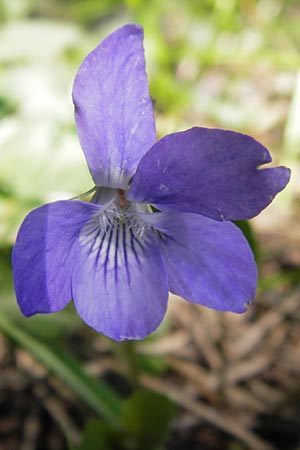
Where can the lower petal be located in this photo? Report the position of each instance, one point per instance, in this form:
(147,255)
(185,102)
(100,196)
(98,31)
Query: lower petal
(42,256)
(119,282)
(208,262)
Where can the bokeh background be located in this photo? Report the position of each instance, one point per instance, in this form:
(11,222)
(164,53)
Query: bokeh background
(234,380)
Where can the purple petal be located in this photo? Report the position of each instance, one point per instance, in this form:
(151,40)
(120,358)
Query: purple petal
(113,109)
(208,262)
(208,171)
(119,281)
(43,255)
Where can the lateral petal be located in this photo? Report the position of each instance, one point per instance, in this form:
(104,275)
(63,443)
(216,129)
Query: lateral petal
(208,171)
(43,255)
(113,109)
(208,262)
(119,281)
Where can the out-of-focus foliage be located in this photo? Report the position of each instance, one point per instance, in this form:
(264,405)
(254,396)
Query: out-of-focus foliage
(208,63)
(144,423)
(146,417)
(224,63)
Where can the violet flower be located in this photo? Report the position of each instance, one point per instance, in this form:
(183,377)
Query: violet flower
(117,257)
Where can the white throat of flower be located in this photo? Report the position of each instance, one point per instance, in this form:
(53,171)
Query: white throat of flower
(119,213)
(118,217)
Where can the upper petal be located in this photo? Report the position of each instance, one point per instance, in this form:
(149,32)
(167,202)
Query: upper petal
(43,255)
(119,280)
(113,109)
(208,262)
(208,171)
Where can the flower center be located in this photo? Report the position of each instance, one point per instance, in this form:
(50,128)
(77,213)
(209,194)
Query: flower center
(119,212)
(122,200)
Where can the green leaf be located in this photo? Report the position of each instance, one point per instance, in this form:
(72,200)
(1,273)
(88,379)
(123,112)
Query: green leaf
(248,232)
(98,435)
(97,395)
(154,364)
(7,106)
(146,416)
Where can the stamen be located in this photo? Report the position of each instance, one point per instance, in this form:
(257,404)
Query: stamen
(122,200)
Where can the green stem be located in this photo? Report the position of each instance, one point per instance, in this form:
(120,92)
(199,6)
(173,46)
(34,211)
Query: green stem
(126,351)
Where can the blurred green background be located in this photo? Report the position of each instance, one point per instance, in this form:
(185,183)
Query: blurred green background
(212,63)
(231,64)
